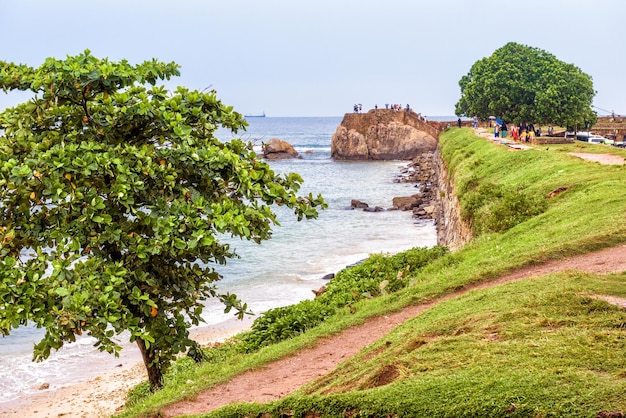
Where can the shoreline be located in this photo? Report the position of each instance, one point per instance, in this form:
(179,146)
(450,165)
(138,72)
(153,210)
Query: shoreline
(106,394)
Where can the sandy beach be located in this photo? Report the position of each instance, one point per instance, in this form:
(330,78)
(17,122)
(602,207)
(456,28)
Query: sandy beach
(106,394)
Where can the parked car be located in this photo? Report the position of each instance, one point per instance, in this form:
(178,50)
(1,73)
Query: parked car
(596,139)
(609,140)
(588,137)
(576,135)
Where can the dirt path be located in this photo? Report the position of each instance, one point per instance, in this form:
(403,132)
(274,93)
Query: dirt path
(282,377)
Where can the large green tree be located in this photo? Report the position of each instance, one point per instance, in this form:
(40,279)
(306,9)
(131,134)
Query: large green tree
(519,83)
(114,193)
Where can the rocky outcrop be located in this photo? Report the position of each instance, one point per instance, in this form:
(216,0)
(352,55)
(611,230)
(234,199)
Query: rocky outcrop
(276,149)
(383,134)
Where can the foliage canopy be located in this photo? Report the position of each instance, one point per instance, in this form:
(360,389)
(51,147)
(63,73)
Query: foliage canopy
(518,83)
(114,193)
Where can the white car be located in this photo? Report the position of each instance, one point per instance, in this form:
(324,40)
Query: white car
(596,139)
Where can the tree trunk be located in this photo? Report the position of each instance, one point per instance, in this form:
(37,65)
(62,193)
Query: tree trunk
(155,373)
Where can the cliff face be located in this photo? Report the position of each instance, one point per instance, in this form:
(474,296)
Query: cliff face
(452,231)
(382,134)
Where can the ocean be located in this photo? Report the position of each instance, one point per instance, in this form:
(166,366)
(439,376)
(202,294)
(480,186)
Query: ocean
(278,272)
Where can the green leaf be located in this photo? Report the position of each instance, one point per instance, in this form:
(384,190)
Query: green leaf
(61,291)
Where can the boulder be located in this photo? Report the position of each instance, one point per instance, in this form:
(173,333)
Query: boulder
(407,202)
(276,149)
(374,209)
(354,203)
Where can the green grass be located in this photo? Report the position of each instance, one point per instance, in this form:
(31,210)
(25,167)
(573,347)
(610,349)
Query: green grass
(543,345)
(540,347)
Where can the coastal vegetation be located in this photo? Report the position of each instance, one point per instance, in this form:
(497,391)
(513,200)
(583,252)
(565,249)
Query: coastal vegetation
(523,84)
(543,346)
(114,196)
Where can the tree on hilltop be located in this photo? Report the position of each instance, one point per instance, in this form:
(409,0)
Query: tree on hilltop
(519,83)
(114,193)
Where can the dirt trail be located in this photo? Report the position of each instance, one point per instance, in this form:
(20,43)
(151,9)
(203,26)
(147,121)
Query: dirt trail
(282,377)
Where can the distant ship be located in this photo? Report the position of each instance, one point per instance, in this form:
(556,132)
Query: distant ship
(262,115)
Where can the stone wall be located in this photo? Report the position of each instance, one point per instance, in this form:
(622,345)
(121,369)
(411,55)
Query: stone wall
(436,199)
(452,232)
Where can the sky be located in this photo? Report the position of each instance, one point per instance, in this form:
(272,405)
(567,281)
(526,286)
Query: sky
(319,58)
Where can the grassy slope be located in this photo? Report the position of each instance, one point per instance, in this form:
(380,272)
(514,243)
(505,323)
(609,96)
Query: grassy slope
(541,345)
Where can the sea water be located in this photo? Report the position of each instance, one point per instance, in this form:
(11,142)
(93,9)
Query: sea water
(278,272)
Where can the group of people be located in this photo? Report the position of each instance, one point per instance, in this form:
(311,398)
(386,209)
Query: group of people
(394,107)
(358,108)
(522,132)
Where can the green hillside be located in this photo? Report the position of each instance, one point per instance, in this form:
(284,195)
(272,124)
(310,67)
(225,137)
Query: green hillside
(539,347)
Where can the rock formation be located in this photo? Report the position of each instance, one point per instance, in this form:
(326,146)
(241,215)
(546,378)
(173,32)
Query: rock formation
(383,134)
(278,149)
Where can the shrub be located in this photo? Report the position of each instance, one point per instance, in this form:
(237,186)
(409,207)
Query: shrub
(377,275)
(286,322)
(494,208)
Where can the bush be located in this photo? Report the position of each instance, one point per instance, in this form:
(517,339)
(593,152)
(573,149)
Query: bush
(494,208)
(377,275)
(286,322)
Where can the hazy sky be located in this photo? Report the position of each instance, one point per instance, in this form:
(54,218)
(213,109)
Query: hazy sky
(319,58)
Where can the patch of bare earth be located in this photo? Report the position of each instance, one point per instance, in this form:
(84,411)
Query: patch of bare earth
(608,159)
(282,377)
